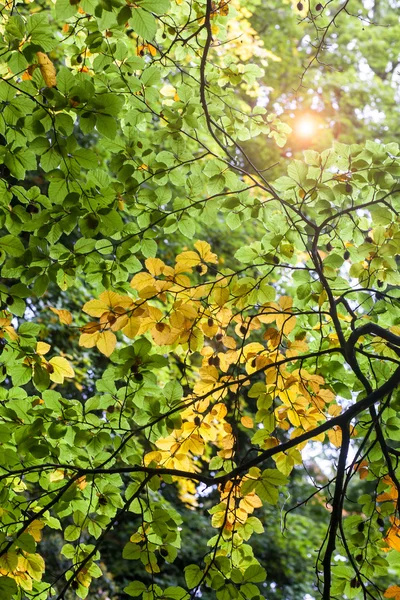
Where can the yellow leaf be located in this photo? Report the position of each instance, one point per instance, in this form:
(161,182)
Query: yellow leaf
(35,566)
(155,266)
(106,302)
(393,592)
(81,483)
(188,310)
(35,530)
(196,340)
(57,475)
(144,283)
(195,444)
(393,540)
(64,315)
(88,340)
(335,436)
(285,302)
(293,417)
(185,261)
(220,295)
(204,249)
(84,578)
(106,342)
(9,562)
(284,463)
(250,502)
(61,369)
(42,348)
(152,456)
(132,327)
(247,422)
(168,90)
(23,580)
(334,410)
(47,69)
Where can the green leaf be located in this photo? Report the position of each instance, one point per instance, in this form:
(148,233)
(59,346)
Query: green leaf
(106,125)
(143,23)
(158,7)
(193,576)
(173,392)
(131,551)
(297,170)
(135,588)
(21,374)
(11,245)
(246,255)
(274,477)
(149,248)
(267,492)
(65,9)
(175,593)
(187,227)
(26,542)
(255,573)
(86,158)
(41,379)
(8,588)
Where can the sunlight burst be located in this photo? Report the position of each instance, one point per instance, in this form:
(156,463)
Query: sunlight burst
(306,126)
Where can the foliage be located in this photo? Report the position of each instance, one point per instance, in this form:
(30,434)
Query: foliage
(138,360)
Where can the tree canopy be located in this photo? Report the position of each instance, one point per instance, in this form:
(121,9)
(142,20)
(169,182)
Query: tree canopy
(199,287)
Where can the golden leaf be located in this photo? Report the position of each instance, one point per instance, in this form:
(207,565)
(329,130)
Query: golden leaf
(155,266)
(335,436)
(132,327)
(47,69)
(35,530)
(107,301)
(88,340)
(145,284)
(42,348)
(61,369)
(220,295)
(106,342)
(393,592)
(9,562)
(185,261)
(247,422)
(204,249)
(250,502)
(35,566)
(57,475)
(64,315)
(152,456)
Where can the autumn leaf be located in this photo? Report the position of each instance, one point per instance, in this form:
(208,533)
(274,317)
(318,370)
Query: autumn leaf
(247,422)
(47,69)
(106,302)
(42,348)
(204,249)
(393,592)
(35,529)
(64,315)
(61,369)
(9,562)
(335,436)
(106,342)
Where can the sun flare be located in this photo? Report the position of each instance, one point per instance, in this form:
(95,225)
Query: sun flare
(306,126)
